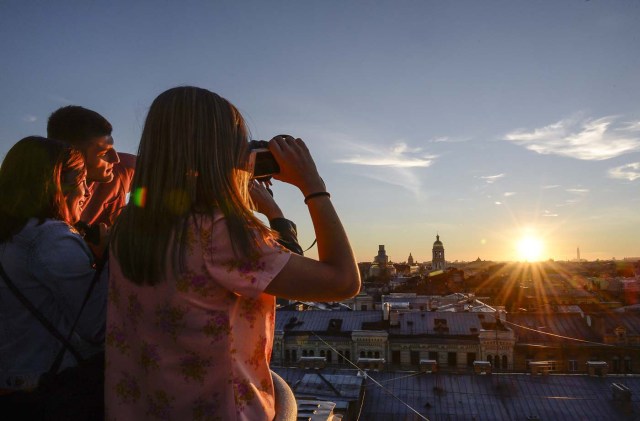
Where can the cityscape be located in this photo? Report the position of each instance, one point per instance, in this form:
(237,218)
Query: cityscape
(478,340)
(483,158)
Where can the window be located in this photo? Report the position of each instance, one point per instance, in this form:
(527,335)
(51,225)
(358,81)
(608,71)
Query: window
(287,355)
(452,359)
(294,355)
(415,357)
(471,357)
(329,356)
(377,354)
(363,307)
(573,365)
(362,354)
(615,364)
(505,362)
(627,365)
(395,357)
(304,352)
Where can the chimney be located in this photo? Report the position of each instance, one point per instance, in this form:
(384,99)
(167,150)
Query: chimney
(386,308)
(394,318)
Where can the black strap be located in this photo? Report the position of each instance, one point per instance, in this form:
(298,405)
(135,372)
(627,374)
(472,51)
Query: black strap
(67,345)
(46,323)
(66,342)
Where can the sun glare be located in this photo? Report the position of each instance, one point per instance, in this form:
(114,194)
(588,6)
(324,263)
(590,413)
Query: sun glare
(530,249)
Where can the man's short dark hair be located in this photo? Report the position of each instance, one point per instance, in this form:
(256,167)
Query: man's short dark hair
(77,125)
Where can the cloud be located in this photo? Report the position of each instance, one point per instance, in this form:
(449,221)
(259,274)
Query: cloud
(498,203)
(398,156)
(60,99)
(490,179)
(551,186)
(393,165)
(629,172)
(547,213)
(630,126)
(590,140)
(509,193)
(29,118)
(577,191)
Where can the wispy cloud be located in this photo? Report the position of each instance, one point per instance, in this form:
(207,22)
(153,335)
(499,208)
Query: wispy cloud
(498,203)
(60,99)
(595,140)
(509,193)
(626,172)
(399,155)
(29,118)
(630,126)
(551,186)
(549,214)
(577,191)
(446,139)
(395,165)
(490,179)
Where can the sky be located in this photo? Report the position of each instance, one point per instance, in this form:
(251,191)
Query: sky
(511,129)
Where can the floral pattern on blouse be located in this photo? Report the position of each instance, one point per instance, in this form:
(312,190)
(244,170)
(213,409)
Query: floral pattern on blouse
(128,389)
(217,326)
(159,405)
(149,357)
(170,319)
(197,345)
(194,367)
(134,311)
(117,337)
(204,410)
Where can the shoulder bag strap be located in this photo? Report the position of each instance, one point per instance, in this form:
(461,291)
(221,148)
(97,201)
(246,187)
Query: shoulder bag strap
(46,323)
(67,344)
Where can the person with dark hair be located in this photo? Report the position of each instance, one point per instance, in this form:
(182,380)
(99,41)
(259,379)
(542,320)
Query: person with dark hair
(194,273)
(109,173)
(44,259)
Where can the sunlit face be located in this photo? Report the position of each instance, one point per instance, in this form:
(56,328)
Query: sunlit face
(100,156)
(530,248)
(76,194)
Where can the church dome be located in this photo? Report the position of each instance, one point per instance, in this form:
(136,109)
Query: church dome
(437,243)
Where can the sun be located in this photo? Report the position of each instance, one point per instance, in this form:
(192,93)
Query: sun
(530,248)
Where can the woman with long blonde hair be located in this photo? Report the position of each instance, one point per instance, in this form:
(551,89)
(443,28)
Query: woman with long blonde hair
(194,273)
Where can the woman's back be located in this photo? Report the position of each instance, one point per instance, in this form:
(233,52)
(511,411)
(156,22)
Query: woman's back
(197,344)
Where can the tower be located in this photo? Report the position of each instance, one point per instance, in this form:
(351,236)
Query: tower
(437,260)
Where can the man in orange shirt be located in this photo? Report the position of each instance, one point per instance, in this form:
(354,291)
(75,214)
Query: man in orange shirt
(109,173)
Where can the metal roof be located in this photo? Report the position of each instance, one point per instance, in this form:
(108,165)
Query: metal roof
(497,397)
(535,327)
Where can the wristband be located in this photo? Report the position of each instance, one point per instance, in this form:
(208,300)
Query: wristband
(316,194)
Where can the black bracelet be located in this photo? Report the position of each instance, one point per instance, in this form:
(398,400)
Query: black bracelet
(316,194)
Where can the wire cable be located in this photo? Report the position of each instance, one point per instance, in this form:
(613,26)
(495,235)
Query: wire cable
(367,376)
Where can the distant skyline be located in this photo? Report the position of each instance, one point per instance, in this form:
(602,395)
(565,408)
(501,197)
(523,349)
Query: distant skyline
(501,126)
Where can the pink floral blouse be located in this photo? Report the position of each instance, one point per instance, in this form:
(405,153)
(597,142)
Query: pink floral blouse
(197,346)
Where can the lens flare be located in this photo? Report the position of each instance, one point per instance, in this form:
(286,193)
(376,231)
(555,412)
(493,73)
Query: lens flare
(139,197)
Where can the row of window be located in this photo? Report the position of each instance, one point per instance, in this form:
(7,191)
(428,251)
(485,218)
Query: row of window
(496,361)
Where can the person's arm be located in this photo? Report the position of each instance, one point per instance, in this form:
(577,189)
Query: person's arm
(334,276)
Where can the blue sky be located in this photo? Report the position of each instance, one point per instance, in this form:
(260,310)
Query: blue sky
(483,121)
